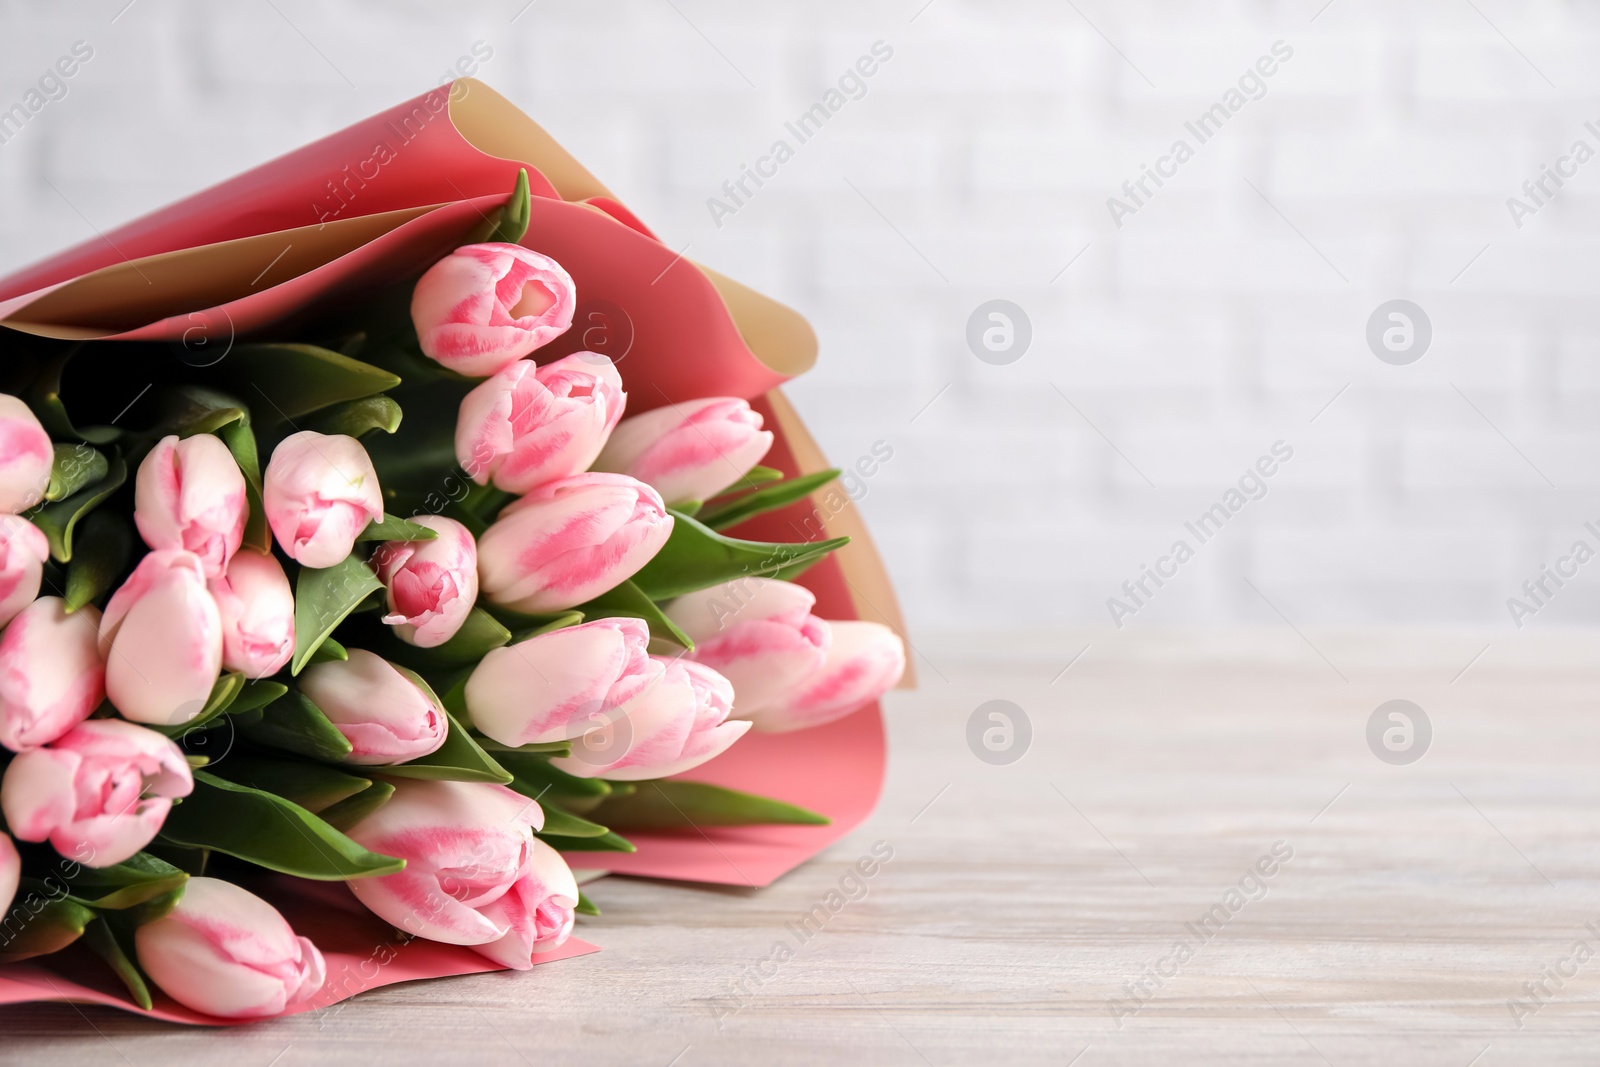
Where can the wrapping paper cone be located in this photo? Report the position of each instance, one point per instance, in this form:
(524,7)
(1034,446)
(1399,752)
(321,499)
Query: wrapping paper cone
(373,206)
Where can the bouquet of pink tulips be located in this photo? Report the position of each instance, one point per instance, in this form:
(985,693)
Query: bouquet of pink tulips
(386,596)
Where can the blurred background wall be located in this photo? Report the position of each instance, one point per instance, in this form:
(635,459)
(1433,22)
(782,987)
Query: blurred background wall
(1341,155)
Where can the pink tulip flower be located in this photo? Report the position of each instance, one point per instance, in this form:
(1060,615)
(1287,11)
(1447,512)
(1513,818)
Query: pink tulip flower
(26,457)
(557,685)
(98,794)
(474,875)
(865,660)
(320,492)
(226,952)
(688,451)
(672,726)
(10,873)
(190,494)
(23,551)
(380,711)
(485,305)
(432,585)
(256,608)
(161,639)
(758,633)
(52,676)
(529,425)
(568,541)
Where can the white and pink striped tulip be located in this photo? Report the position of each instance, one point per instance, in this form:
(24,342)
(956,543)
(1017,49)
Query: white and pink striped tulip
(10,873)
(23,550)
(161,640)
(256,608)
(688,451)
(672,726)
(484,305)
(320,491)
(758,633)
(190,494)
(571,540)
(380,711)
(52,676)
(474,875)
(865,660)
(26,457)
(226,952)
(529,425)
(557,685)
(98,794)
(432,585)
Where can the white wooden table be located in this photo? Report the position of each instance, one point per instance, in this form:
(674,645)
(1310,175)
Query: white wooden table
(1417,902)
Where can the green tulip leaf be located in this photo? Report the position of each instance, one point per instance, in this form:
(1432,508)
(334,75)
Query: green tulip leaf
(697,557)
(105,547)
(269,831)
(479,635)
(607,842)
(100,937)
(356,418)
(43,925)
(760,501)
(323,598)
(58,520)
(585,905)
(670,804)
(45,400)
(75,466)
(257,695)
(294,724)
(535,777)
(560,823)
(628,601)
(223,694)
(348,812)
(314,786)
(513,220)
(139,879)
(394,528)
(284,382)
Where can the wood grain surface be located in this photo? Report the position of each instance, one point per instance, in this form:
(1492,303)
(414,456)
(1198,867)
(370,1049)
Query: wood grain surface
(1034,912)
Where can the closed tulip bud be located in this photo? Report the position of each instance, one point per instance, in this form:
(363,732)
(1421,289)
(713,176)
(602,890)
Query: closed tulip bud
(432,585)
(670,727)
(26,457)
(380,711)
(10,873)
(865,660)
(529,425)
(484,305)
(226,952)
(474,875)
(52,675)
(758,633)
(99,794)
(256,609)
(23,550)
(568,541)
(161,639)
(189,494)
(688,451)
(320,491)
(557,685)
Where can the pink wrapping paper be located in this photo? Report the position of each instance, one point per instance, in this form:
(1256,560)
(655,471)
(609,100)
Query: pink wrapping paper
(279,244)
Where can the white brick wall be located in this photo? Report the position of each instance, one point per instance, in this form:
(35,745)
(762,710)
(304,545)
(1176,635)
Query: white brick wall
(1195,336)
